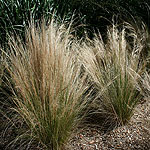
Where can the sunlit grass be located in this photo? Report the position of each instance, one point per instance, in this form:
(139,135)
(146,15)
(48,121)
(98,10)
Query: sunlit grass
(114,71)
(45,73)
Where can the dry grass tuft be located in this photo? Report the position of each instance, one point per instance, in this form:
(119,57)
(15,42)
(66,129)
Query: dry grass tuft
(45,72)
(114,71)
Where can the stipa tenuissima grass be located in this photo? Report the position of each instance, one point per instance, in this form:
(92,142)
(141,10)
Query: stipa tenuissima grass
(113,69)
(45,72)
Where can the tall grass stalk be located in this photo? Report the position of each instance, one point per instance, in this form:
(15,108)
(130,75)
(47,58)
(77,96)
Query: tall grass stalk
(2,66)
(114,72)
(45,72)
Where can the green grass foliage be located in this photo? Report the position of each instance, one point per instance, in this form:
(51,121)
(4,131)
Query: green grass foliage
(15,14)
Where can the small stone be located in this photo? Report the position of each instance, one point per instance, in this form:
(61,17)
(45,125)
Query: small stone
(92,142)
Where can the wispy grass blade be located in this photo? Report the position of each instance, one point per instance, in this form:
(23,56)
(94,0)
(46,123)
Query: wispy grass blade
(2,66)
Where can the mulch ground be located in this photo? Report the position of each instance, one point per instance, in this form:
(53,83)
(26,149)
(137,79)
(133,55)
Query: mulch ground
(134,136)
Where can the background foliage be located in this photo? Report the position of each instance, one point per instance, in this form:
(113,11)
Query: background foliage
(15,14)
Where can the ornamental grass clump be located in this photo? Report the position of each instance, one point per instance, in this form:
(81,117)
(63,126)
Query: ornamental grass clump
(114,71)
(48,85)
